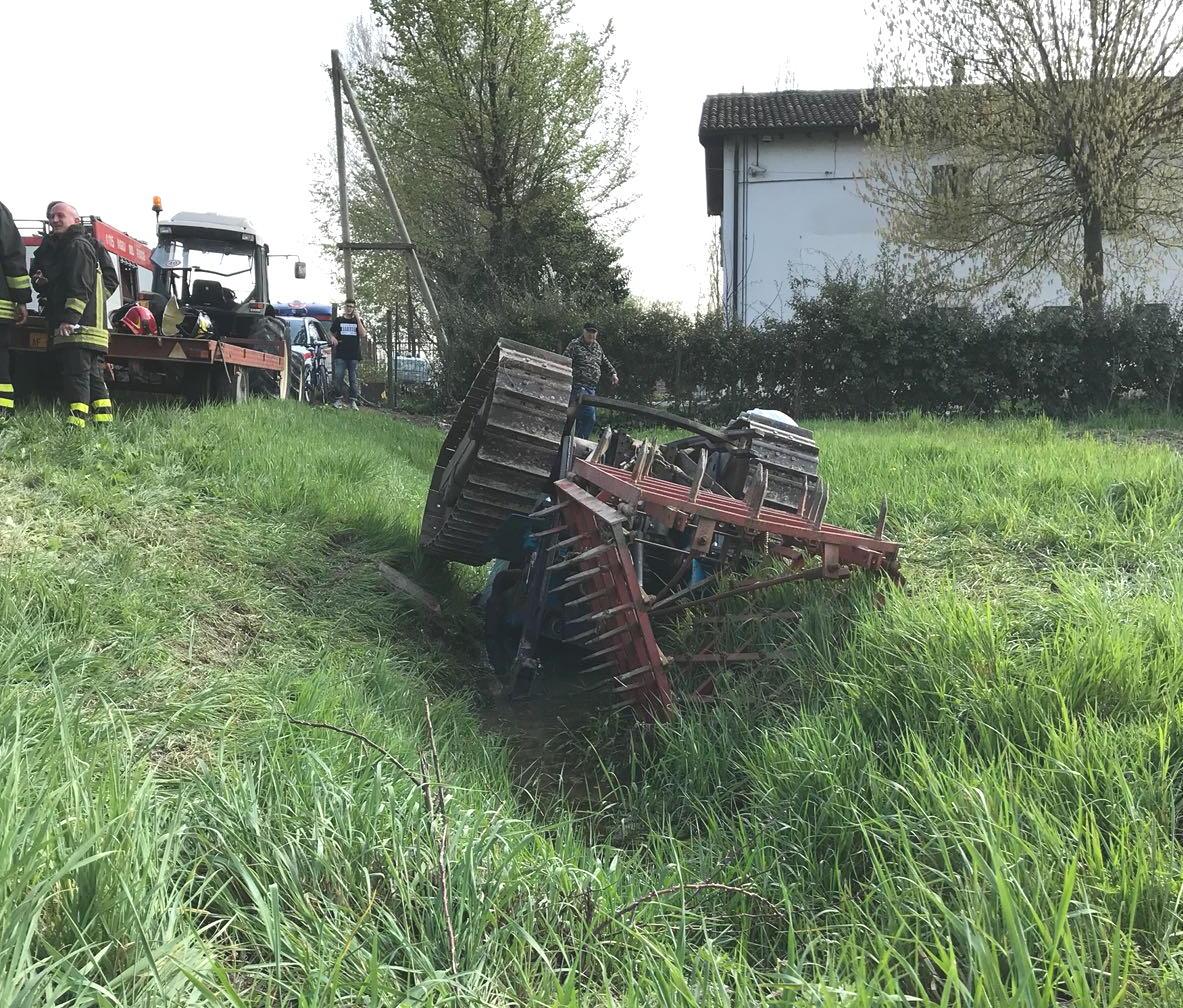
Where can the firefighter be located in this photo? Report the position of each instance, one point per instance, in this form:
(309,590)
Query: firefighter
(69,275)
(15,292)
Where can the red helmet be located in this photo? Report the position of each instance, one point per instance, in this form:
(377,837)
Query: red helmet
(139,320)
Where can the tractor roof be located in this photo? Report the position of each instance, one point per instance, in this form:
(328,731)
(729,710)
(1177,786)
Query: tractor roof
(231,226)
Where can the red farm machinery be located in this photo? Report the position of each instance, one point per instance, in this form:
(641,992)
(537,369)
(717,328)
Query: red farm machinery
(600,546)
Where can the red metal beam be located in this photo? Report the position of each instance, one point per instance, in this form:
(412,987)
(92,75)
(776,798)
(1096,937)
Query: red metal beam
(659,493)
(125,346)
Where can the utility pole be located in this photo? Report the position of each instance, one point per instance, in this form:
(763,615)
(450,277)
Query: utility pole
(342,191)
(396,217)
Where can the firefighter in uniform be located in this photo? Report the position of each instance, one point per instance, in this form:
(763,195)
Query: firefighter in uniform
(15,293)
(70,278)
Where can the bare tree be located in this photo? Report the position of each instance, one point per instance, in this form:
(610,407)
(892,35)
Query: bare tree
(1010,136)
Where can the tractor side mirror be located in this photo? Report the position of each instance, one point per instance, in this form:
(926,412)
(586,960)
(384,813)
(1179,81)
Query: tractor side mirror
(301,270)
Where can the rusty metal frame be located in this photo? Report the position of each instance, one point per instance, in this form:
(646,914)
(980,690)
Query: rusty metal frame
(639,664)
(843,546)
(176,349)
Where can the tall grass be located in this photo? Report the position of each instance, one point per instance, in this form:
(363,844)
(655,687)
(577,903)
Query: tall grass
(964,794)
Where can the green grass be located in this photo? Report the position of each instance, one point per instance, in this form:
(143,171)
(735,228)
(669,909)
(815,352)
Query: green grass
(964,796)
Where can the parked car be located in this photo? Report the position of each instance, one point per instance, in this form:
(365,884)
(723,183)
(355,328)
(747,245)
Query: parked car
(412,370)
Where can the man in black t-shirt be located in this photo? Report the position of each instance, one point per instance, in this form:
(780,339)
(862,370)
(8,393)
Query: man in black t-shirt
(347,331)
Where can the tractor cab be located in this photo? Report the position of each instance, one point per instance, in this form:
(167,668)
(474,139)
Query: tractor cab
(216,265)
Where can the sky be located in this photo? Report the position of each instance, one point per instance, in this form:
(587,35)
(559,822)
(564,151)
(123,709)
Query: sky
(223,106)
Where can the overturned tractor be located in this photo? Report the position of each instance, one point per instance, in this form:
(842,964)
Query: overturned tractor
(600,545)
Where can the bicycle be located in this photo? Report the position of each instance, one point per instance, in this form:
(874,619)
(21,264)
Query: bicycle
(316,384)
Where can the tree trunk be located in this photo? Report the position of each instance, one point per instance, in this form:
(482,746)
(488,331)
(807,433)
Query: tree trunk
(1096,376)
(1092,280)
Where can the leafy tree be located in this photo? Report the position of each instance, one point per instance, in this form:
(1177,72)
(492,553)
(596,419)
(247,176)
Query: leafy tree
(502,131)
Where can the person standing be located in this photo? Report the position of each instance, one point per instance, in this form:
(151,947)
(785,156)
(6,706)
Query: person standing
(588,362)
(347,332)
(16,291)
(69,276)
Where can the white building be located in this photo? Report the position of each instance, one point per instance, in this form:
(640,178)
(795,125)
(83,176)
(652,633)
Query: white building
(784,175)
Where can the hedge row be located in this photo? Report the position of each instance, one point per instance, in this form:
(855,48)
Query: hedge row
(859,345)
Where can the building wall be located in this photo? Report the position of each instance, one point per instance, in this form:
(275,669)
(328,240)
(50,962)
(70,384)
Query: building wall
(802,209)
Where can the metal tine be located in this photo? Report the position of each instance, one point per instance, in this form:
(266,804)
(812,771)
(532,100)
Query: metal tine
(623,680)
(806,510)
(607,651)
(550,531)
(649,459)
(754,498)
(547,511)
(602,615)
(575,579)
(639,464)
(587,598)
(562,543)
(601,447)
(588,633)
(821,508)
(608,634)
(579,557)
(627,687)
(806,505)
(881,524)
(696,486)
(597,668)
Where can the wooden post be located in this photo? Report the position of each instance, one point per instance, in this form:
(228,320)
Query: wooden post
(342,191)
(391,363)
(397,341)
(412,336)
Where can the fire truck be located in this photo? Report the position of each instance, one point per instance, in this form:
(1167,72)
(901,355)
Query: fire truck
(234,359)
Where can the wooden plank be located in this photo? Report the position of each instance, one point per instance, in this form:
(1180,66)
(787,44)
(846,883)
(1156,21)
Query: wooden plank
(406,587)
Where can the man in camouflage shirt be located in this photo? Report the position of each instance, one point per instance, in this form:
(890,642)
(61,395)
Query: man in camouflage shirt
(588,361)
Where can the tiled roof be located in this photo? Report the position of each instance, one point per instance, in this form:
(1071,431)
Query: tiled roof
(782,110)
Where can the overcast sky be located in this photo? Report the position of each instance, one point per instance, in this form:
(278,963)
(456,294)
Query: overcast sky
(221,106)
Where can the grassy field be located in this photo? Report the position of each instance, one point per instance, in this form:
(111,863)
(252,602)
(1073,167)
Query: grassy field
(966,796)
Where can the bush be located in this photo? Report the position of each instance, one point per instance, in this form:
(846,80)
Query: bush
(867,344)
(861,343)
